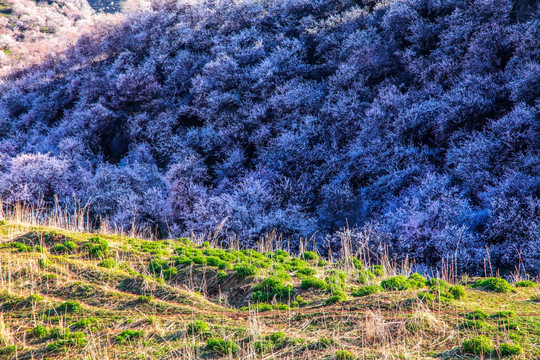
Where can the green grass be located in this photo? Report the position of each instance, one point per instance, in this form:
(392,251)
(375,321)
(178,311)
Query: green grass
(70,307)
(479,345)
(368,290)
(109,263)
(337,296)
(222,346)
(245,269)
(128,335)
(177,299)
(272,288)
(343,355)
(510,349)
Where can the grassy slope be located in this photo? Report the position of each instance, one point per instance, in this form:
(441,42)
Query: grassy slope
(393,324)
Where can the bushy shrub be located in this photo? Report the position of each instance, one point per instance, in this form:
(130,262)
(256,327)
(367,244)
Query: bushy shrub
(457,291)
(128,335)
(308,271)
(157,266)
(41,331)
(295,264)
(493,284)
(182,260)
(322,263)
(357,263)
(280,274)
(70,245)
(440,290)
(170,273)
(59,248)
(85,323)
(97,247)
(66,339)
(70,306)
(263,346)
(398,283)
(416,280)
(270,288)
(154,247)
(473,325)
(480,345)
(310,255)
(313,282)
(277,337)
(34,298)
(335,280)
(43,263)
(337,296)
(9,349)
(222,346)
(260,306)
(378,270)
(198,327)
(188,251)
(365,276)
(221,275)
(281,255)
(322,343)
(216,261)
(506,349)
(20,247)
(525,283)
(199,259)
(245,269)
(426,297)
(220,253)
(504,314)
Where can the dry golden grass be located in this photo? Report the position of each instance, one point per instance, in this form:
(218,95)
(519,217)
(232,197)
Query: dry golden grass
(130,312)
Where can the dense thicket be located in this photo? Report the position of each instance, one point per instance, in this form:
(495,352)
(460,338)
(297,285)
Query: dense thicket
(416,118)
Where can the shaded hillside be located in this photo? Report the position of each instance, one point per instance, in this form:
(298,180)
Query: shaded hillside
(415,121)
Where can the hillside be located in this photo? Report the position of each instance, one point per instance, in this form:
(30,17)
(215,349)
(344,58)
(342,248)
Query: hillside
(66,295)
(416,122)
(31,30)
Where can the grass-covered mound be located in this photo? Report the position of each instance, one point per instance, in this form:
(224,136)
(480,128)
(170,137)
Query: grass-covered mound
(65,295)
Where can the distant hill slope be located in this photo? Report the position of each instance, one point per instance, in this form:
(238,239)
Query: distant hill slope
(66,295)
(415,123)
(30,30)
